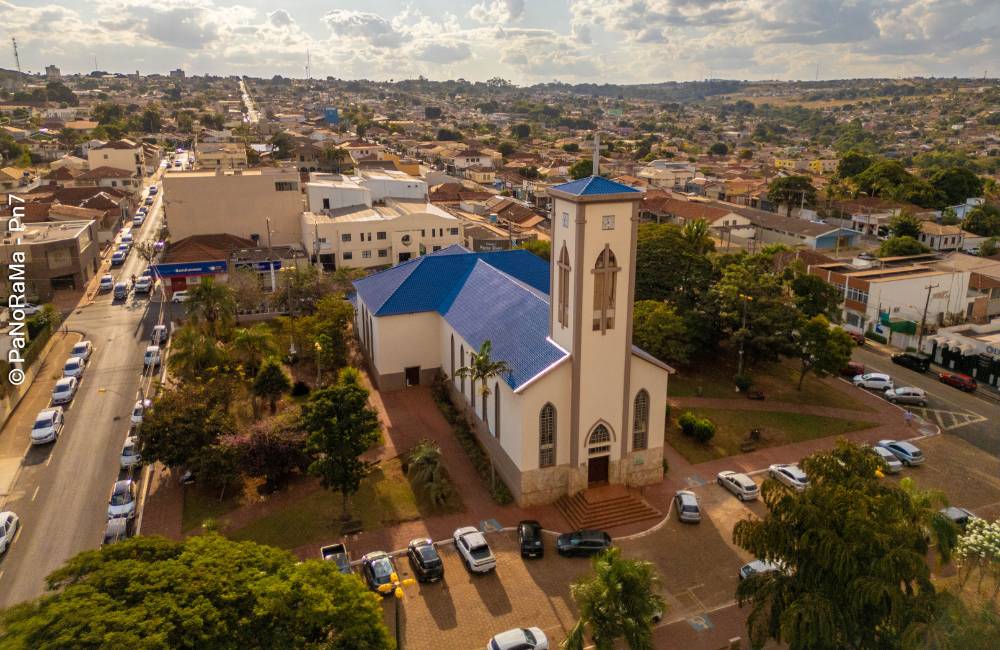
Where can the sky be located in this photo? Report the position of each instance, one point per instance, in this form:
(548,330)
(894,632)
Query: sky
(524,41)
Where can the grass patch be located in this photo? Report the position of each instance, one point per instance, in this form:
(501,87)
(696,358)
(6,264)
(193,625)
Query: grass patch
(386,498)
(201,504)
(732,427)
(778,381)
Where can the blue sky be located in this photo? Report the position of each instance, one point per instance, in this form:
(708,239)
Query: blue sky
(526,41)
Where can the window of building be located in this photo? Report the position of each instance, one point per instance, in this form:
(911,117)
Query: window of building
(857,295)
(380,235)
(496,410)
(461,361)
(605,276)
(321,240)
(564,286)
(599,441)
(423,233)
(383,252)
(345,237)
(366,254)
(285,186)
(640,421)
(547,436)
(453,231)
(348,255)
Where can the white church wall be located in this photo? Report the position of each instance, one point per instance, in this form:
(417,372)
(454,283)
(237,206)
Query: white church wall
(563,220)
(554,387)
(405,341)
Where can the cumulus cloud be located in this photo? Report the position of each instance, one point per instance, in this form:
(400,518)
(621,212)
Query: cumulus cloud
(364,26)
(492,12)
(443,52)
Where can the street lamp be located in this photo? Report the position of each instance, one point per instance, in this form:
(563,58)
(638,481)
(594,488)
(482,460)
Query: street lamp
(395,586)
(319,354)
(746,300)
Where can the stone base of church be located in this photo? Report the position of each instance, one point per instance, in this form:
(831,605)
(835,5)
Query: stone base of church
(391,381)
(642,468)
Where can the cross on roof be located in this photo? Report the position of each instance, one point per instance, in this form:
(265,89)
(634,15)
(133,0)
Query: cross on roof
(596,146)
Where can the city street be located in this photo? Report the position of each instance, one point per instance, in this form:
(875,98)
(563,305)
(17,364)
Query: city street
(62,490)
(968,416)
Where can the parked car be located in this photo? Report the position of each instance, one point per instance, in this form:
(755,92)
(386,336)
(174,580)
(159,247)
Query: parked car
(852,369)
(529,538)
(121,291)
(30,309)
(107,283)
(152,357)
(686,503)
(338,554)
(890,464)
(48,425)
(118,530)
(959,381)
(377,570)
(424,560)
(583,542)
(475,552)
(912,361)
(756,567)
(122,501)
(8,529)
(739,484)
(82,350)
(160,334)
(64,390)
(138,409)
(874,381)
(153,189)
(143,284)
(130,453)
(907,395)
(138,219)
(159,245)
(960,516)
(520,638)
(74,367)
(858,337)
(908,453)
(790,475)
(148,201)
(180,296)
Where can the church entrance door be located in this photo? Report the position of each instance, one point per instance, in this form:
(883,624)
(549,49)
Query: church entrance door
(413,376)
(597,470)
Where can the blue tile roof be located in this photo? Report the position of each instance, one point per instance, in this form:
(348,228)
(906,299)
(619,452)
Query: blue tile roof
(592,186)
(500,296)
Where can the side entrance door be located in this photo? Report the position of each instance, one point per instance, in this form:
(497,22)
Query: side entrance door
(413,376)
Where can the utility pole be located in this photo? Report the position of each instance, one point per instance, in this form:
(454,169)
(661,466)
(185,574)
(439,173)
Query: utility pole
(17,60)
(743,327)
(923,319)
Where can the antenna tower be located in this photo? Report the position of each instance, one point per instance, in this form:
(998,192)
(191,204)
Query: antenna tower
(17,59)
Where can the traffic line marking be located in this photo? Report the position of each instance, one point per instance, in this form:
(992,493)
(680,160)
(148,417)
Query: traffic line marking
(35,495)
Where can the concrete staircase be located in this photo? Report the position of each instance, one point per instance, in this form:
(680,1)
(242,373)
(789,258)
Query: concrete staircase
(605,507)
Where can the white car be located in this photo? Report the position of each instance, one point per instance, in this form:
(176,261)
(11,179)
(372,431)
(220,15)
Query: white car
(107,282)
(127,239)
(890,463)
(130,453)
(739,484)
(873,381)
(48,425)
(520,638)
(180,296)
(8,529)
(64,390)
(30,309)
(789,474)
(74,367)
(138,219)
(475,552)
(82,350)
(138,409)
(122,501)
(152,357)
(143,284)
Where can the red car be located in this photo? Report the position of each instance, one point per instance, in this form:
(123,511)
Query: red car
(959,381)
(852,369)
(858,338)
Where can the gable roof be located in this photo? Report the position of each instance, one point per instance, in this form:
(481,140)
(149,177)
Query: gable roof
(498,296)
(593,186)
(106,172)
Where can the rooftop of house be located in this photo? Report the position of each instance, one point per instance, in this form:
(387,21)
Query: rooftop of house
(51,231)
(99,173)
(393,209)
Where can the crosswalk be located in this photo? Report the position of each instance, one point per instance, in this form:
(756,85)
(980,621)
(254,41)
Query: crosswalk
(948,420)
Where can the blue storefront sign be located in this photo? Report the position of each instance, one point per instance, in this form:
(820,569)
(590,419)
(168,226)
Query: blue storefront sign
(272,265)
(190,268)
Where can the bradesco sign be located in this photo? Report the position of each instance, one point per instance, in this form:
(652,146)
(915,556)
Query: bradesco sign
(190,268)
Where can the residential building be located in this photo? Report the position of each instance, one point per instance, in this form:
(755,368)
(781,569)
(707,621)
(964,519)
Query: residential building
(60,255)
(118,154)
(177,74)
(52,73)
(110,177)
(263,205)
(971,349)
(334,191)
(548,427)
(941,238)
(220,155)
(663,208)
(667,174)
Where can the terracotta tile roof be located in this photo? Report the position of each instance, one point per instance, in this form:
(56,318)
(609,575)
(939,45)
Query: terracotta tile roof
(119,144)
(200,248)
(684,210)
(61,174)
(455,192)
(106,172)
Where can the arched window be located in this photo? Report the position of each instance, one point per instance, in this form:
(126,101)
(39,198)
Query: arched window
(563,286)
(605,275)
(452,356)
(599,435)
(496,410)
(640,421)
(547,436)
(461,360)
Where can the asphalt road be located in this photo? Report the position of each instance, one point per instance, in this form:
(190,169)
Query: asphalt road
(969,416)
(62,491)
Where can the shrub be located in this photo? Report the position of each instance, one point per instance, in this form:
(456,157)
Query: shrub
(687,422)
(300,389)
(875,337)
(743,382)
(704,430)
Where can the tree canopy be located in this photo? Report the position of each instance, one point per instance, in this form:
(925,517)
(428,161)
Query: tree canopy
(983,220)
(581,168)
(899,246)
(904,224)
(658,329)
(792,191)
(204,592)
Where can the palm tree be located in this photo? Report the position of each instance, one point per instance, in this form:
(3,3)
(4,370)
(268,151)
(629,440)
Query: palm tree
(425,468)
(698,234)
(214,304)
(193,352)
(482,368)
(927,504)
(619,601)
(251,345)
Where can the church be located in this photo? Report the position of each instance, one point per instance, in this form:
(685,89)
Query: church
(581,406)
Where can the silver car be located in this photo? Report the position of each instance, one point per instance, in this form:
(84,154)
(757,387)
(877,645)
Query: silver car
(687,506)
(64,390)
(47,427)
(890,464)
(907,395)
(130,453)
(789,474)
(739,484)
(74,367)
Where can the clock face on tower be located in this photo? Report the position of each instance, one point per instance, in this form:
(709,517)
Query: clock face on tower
(608,222)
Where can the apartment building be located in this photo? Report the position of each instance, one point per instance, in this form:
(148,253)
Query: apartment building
(118,154)
(334,191)
(59,255)
(263,205)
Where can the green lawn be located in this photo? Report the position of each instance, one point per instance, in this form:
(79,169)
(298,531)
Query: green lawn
(732,427)
(200,505)
(386,498)
(778,381)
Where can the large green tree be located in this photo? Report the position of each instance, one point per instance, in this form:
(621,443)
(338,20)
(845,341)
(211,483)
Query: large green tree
(791,191)
(983,220)
(905,224)
(852,163)
(194,354)
(204,592)
(669,266)
(251,345)
(900,246)
(581,168)
(213,305)
(341,427)
(618,601)
(271,383)
(185,419)
(821,349)
(957,184)
(658,329)
(853,548)
(814,296)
